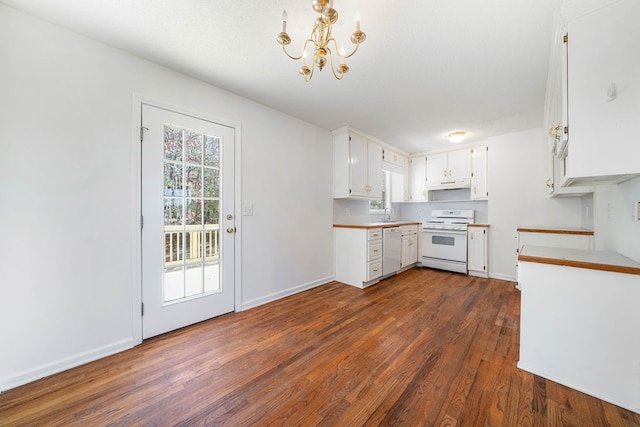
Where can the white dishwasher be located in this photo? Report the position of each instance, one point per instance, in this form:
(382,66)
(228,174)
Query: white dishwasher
(391,247)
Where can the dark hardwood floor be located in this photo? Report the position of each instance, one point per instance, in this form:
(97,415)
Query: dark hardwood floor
(424,348)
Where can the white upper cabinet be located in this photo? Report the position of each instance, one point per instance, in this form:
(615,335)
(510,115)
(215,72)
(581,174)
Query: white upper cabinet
(604,95)
(556,117)
(436,169)
(459,164)
(417,166)
(392,160)
(357,166)
(449,170)
(479,164)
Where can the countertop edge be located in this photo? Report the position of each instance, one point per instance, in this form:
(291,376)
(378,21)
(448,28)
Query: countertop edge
(558,230)
(377,224)
(478,224)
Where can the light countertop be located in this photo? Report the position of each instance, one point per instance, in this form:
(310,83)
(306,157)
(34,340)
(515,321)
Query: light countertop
(580,258)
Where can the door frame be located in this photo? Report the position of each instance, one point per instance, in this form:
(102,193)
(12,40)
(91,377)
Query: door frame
(136,183)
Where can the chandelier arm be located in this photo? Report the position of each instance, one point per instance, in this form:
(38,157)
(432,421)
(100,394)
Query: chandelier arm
(335,43)
(304,47)
(352,53)
(307,78)
(333,70)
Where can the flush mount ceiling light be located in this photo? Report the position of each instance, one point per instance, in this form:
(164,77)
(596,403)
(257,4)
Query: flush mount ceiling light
(323,44)
(457,137)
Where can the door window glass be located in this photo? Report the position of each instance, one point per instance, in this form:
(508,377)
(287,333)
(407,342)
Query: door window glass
(191,213)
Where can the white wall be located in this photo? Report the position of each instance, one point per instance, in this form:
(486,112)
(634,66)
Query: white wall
(615,230)
(517,196)
(67,196)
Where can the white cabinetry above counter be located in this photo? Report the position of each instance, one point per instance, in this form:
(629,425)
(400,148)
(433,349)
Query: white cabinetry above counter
(604,95)
(433,175)
(357,166)
(449,170)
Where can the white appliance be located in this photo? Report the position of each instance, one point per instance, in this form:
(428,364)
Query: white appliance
(453,184)
(444,239)
(391,245)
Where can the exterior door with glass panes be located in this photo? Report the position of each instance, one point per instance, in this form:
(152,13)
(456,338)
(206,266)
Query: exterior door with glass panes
(188,220)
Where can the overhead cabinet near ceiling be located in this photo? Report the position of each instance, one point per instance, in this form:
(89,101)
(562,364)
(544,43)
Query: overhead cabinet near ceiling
(604,95)
(450,170)
(357,166)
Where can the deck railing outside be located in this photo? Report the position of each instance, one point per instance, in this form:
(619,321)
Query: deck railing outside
(198,243)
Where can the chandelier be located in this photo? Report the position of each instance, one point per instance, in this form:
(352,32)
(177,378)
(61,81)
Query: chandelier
(324,45)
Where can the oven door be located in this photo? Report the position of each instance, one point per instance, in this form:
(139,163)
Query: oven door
(448,245)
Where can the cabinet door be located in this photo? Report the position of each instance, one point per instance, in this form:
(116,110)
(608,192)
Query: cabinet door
(479,173)
(375,177)
(436,168)
(413,249)
(358,166)
(459,164)
(604,92)
(476,246)
(405,257)
(418,167)
(397,187)
(392,158)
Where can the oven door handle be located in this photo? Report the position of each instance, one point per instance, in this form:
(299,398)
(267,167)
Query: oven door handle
(432,231)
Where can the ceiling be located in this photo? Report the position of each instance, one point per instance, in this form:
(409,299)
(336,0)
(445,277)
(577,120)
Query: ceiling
(427,67)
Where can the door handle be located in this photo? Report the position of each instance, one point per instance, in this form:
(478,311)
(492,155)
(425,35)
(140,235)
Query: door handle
(231,229)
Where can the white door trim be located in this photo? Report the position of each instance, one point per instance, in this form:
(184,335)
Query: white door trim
(136,193)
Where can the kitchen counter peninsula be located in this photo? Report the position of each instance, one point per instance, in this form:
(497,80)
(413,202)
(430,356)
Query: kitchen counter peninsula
(579,321)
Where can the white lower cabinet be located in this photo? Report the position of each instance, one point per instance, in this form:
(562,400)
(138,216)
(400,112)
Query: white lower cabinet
(409,250)
(358,255)
(477,250)
(579,326)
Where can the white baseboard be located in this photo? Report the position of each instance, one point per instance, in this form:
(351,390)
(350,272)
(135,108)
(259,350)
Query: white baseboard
(57,366)
(285,293)
(506,277)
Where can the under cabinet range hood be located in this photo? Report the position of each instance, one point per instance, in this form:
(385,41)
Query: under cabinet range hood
(451,184)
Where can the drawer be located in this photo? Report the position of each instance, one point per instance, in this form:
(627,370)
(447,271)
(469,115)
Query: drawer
(374,234)
(374,270)
(374,251)
(408,229)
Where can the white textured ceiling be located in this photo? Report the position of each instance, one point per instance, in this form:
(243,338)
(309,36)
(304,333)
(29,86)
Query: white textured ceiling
(427,68)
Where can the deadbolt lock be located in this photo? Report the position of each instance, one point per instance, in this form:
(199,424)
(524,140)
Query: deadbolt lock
(229,216)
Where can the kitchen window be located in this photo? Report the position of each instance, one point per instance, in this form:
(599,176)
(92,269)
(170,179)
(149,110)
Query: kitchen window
(379,206)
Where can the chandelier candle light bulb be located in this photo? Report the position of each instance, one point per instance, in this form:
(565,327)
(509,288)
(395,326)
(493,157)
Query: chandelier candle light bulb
(323,44)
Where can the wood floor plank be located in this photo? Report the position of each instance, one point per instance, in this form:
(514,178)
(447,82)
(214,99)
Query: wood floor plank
(422,348)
